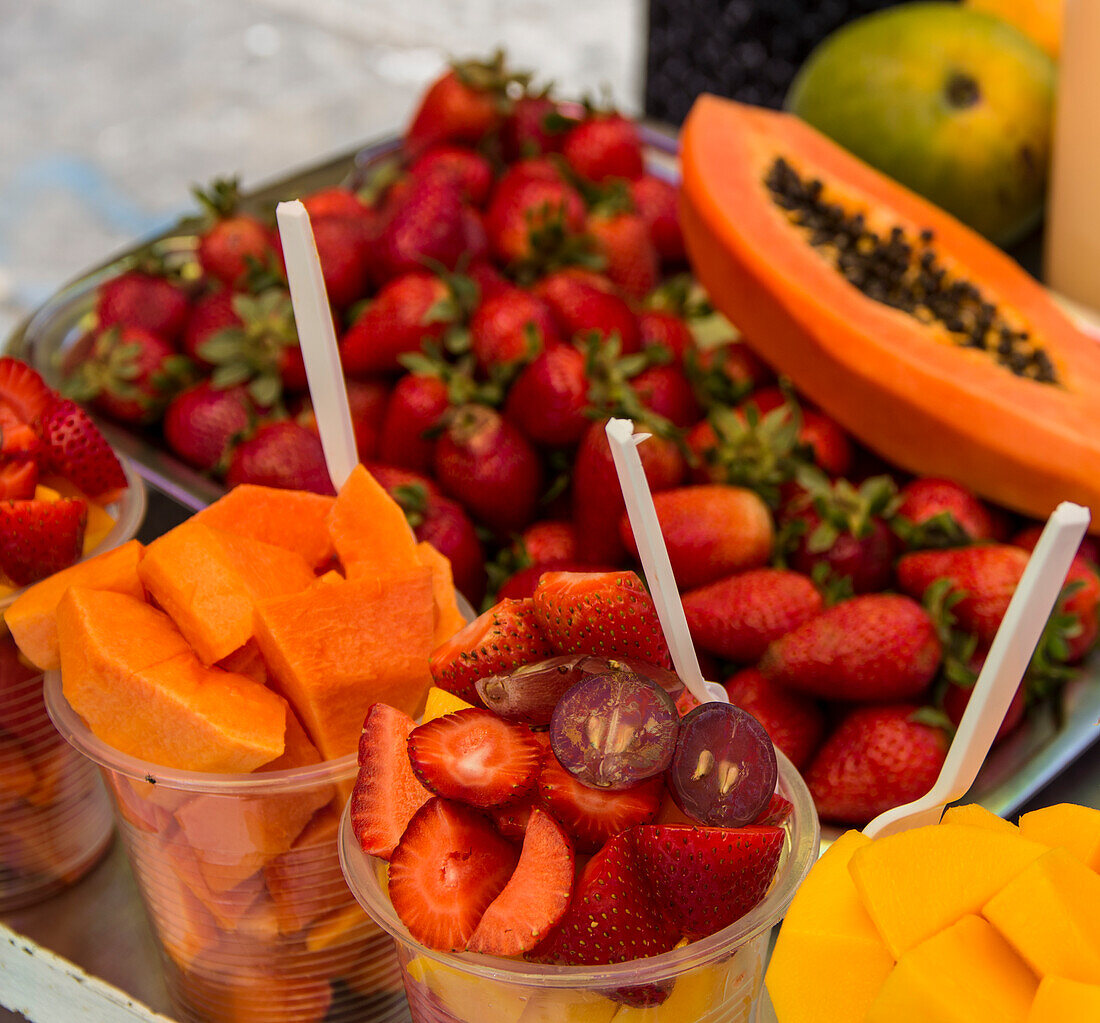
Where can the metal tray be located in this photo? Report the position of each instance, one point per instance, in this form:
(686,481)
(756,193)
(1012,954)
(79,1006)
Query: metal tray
(1047,744)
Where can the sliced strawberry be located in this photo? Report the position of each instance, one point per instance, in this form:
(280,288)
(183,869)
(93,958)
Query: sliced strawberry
(512,820)
(705,878)
(447,869)
(779,808)
(503,638)
(535,898)
(591,815)
(605,613)
(475,757)
(18,478)
(38,538)
(23,390)
(75,449)
(386,793)
(613,917)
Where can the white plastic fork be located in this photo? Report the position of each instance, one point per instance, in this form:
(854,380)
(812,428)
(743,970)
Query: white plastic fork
(1001,674)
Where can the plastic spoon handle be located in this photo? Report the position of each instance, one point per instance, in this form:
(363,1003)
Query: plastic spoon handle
(317,338)
(1009,656)
(654,557)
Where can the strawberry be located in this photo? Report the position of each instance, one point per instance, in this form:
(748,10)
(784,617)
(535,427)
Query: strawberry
(280,454)
(795,723)
(597,497)
(130,374)
(934,512)
(512,819)
(469,171)
(1028,537)
(710,531)
(489,280)
(737,617)
(535,125)
(416,406)
(956,697)
(549,540)
(487,464)
(201,423)
(613,917)
(525,581)
(18,479)
(548,400)
(447,869)
(585,303)
(656,202)
(506,636)
(705,878)
(878,757)
(74,448)
(662,329)
(475,757)
(426,227)
(387,793)
(984,576)
(667,392)
(630,258)
(777,811)
(235,243)
(535,898)
(406,312)
(139,299)
(462,105)
(605,613)
(210,314)
(726,374)
(511,328)
(24,395)
(1082,604)
(345,260)
(368,400)
(335,201)
(829,446)
(604,146)
(38,538)
(530,219)
(876,647)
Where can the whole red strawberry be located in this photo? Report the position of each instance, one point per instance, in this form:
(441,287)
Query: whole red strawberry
(335,201)
(488,465)
(956,697)
(345,258)
(281,454)
(469,171)
(139,299)
(934,512)
(1083,604)
(38,538)
(605,613)
(549,540)
(73,447)
(605,146)
(656,201)
(368,400)
(536,125)
(878,647)
(530,218)
(793,721)
(630,258)
(236,243)
(667,392)
(210,314)
(584,303)
(662,329)
(427,227)
(739,616)
(416,407)
(878,757)
(201,423)
(511,327)
(549,398)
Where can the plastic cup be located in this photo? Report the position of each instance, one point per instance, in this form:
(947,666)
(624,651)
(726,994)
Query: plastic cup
(55,817)
(715,980)
(241,878)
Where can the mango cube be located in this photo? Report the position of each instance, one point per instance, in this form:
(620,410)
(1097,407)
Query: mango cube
(1067,824)
(977,816)
(1059,1000)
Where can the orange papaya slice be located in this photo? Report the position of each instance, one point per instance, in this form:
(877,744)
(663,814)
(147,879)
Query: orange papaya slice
(928,343)
(369,529)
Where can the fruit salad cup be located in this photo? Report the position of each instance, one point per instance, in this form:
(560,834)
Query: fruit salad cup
(254,923)
(716,979)
(55,818)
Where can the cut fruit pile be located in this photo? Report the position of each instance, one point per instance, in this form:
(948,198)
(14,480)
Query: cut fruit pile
(581,819)
(57,475)
(971,919)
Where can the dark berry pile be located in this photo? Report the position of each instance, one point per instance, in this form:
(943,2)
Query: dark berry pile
(746,49)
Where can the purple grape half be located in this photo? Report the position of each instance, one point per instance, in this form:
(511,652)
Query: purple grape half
(614,730)
(723,771)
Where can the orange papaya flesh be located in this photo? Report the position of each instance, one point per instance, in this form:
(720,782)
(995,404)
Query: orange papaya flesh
(921,394)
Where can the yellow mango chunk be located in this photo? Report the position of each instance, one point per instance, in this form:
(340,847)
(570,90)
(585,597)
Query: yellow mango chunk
(967,973)
(829,960)
(1061,1001)
(1050,913)
(467,997)
(440,703)
(1066,824)
(918,882)
(977,816)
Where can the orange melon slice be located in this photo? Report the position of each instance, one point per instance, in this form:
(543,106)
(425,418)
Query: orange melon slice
(292,519)
(208,580)
(32,617)
(369,529)
(127,670)
(341,647)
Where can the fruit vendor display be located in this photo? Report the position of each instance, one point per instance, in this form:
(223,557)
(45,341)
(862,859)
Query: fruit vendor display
(247,641)
(974,918)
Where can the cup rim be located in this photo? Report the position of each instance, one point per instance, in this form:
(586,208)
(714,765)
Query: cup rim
(262,783)
(800,847)
(130,514)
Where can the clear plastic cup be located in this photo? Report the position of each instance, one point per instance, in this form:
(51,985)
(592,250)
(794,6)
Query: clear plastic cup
(240,875)
(715,980)
(55,817)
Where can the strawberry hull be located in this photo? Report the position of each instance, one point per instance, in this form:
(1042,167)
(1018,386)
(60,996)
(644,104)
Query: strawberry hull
(717,978)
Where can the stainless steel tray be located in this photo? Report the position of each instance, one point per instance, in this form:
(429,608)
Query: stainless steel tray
(1050,741)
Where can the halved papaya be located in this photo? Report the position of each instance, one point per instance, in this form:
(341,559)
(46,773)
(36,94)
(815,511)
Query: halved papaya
(929,344)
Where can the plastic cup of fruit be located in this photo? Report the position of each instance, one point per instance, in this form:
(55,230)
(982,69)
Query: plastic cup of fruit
(55,817)
(241,879)
(717,979)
